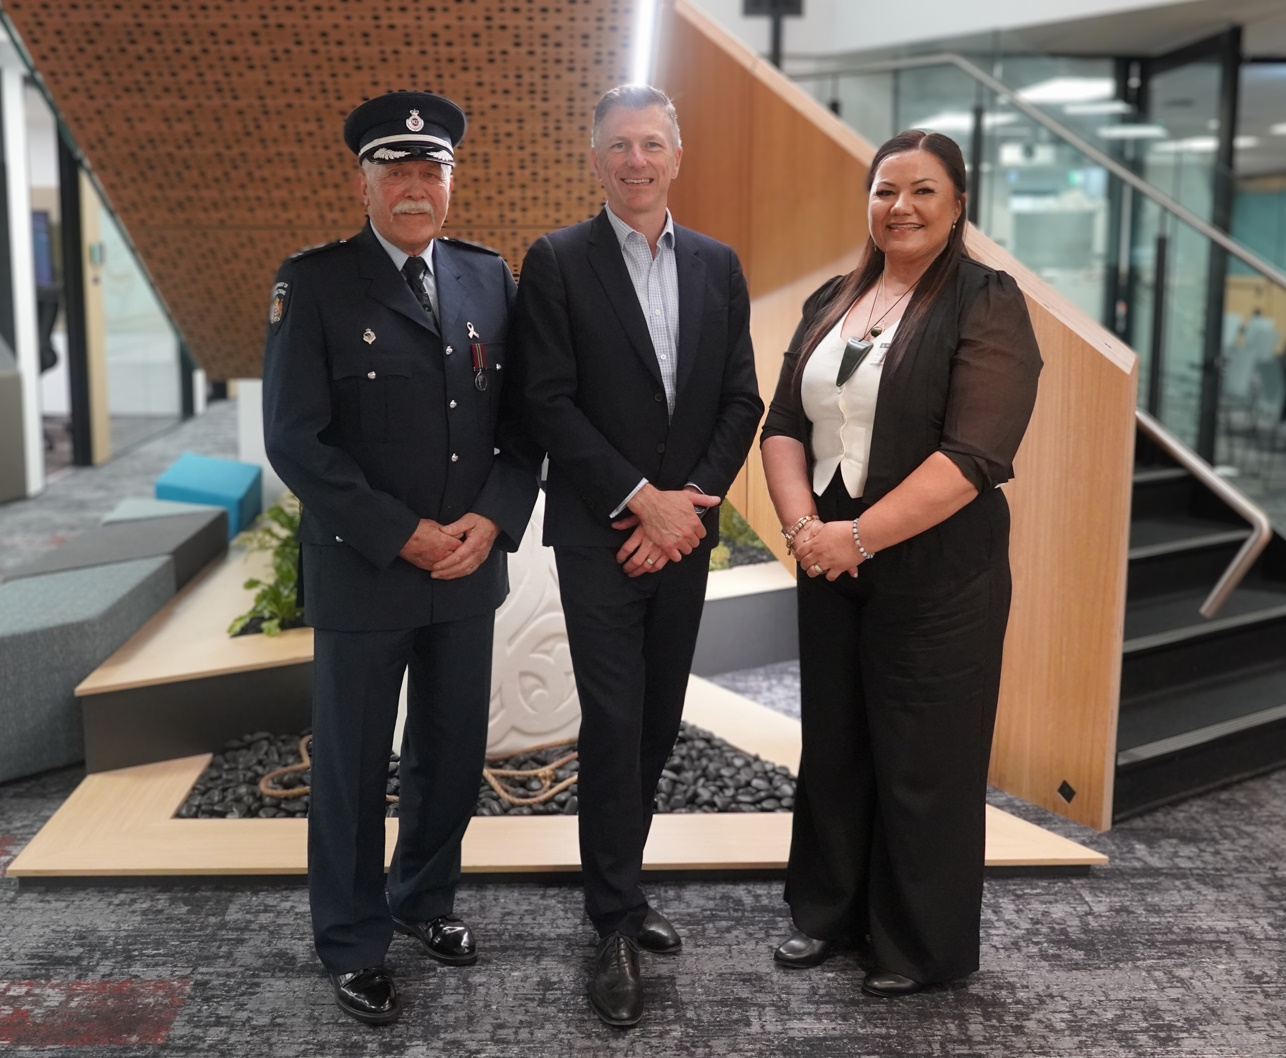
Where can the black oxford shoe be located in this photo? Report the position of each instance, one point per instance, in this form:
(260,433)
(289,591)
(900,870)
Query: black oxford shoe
(658,935)
(615,987)
(888,985)
(799,949)
(368,995)
(446,938)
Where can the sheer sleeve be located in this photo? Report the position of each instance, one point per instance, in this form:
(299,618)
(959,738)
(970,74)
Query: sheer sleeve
(993,383)
(786,414)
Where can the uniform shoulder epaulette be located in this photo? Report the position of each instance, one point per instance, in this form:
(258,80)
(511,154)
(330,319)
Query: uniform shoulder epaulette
(470,245)
(308,251)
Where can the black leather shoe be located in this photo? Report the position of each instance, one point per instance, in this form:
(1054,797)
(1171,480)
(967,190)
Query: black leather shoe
(368,995)
(657,934)
(888,985)
(799,949)
(615,987)
(446,938)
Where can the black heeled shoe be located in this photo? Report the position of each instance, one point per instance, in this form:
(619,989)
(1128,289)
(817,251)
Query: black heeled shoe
(799,949)
(888,985)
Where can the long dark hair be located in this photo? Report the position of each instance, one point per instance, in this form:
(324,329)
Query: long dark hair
(936,277)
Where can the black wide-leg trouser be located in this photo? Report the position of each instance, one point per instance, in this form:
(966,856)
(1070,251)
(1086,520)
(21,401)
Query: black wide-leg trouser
(900,674)
(357,678)
(632,642)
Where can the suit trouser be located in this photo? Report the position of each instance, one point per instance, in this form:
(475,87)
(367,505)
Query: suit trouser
(900,673)
(357,677)
(631,642)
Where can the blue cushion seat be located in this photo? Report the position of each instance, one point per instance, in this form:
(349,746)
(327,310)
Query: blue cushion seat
(223,482)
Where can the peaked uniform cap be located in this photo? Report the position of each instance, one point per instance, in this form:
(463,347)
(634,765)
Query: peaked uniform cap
(401,126)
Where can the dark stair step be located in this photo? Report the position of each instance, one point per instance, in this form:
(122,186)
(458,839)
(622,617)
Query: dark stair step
(1195,569)
(1236,741)
(1173,618)
(1161,491)
(1167,534)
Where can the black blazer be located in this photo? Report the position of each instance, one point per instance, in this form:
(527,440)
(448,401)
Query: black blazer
(373,419)
(593,393)
(963,384)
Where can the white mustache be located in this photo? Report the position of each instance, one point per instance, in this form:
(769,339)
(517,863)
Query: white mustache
(413,207)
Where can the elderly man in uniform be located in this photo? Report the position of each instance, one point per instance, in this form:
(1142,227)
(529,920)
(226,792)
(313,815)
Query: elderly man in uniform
(639,380)
(384,413)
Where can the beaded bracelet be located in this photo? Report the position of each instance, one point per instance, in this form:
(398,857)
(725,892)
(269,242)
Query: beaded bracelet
(789,534)
(858,541)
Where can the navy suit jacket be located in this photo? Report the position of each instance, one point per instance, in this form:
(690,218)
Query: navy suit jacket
(373,419)
(592,388)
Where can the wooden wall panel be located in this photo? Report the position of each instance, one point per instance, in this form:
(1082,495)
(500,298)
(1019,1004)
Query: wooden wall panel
(783,180)
(215,128)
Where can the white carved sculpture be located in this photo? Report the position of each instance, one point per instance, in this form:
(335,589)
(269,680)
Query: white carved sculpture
(533,691)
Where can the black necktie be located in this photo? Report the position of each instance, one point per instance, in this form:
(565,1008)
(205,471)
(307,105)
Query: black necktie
(414,270)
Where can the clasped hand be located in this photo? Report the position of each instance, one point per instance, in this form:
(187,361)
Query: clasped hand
(827,548)
(666,527)
(451,551)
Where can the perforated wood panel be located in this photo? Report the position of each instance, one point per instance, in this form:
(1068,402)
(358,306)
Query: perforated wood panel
(215,128)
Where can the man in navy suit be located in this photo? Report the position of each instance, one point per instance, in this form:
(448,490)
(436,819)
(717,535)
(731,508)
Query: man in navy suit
(639,381)
(385,412)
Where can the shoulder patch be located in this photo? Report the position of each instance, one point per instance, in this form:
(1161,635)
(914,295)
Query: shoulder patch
(308,251)
(277,306)
(470,245)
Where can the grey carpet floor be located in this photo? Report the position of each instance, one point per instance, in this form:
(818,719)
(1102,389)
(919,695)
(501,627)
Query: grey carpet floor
(1177,949)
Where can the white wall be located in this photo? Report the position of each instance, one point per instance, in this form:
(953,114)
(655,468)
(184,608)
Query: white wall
(835,26)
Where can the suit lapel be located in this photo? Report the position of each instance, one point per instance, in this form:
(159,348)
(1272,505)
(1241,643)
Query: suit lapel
(453,295)
(604,253)
(692,293)
(384,282)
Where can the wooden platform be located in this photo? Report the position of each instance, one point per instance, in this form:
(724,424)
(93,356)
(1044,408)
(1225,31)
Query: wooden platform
(121,823)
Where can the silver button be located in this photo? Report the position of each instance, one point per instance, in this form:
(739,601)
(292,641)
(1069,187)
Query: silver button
(370,374)
(339,539)
(448,350)
(451,405)
(454,458)
(499,366)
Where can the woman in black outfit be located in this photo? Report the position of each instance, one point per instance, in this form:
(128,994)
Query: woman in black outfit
(902,400)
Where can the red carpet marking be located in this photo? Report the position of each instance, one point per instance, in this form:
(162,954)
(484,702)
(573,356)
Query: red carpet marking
(88,1013)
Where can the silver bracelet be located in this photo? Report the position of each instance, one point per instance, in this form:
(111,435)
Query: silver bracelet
(857,540)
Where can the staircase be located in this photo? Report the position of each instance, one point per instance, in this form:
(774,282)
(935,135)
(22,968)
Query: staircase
(1203,701)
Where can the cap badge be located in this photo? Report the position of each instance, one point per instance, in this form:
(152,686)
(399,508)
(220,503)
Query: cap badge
(415,122)
(368,336)
(472,333)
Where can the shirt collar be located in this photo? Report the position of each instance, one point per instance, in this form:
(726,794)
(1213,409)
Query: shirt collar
(399,256)
(623,230)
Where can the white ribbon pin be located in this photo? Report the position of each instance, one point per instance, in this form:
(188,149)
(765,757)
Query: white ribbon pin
(472,333)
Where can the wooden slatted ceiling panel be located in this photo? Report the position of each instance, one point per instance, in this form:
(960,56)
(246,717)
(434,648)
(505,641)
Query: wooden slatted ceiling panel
(215,128)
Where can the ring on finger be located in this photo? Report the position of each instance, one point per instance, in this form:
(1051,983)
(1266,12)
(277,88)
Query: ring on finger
(815,568)
(649,562)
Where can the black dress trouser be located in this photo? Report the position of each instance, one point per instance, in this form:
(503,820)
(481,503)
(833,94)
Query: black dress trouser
(632,642)
(357,678)
(900,674)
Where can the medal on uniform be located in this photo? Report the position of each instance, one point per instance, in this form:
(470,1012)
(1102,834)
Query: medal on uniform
(478,352)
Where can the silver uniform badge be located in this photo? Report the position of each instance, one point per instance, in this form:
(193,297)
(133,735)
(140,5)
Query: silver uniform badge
(415,122)
(368,336)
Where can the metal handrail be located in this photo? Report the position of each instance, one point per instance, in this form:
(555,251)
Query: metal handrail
(1109,163)
(1261,528)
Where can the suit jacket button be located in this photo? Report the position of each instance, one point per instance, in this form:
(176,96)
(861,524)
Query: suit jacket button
(370,374)
(661,447)
(658,397)
(451,405)
(339,539)
(454,458)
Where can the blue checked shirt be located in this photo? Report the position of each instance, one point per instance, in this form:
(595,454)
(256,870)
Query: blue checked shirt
(656,283)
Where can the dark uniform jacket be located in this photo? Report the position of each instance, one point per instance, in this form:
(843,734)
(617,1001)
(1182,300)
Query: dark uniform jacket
(374,420)
(595,400)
